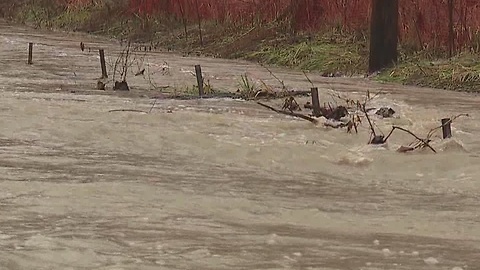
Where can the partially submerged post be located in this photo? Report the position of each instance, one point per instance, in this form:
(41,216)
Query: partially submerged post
(30,53)
(102,63)
(446,128)
(315,102)
(198,72)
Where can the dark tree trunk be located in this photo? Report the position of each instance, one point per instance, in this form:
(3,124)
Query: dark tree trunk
(383,34)
(451,33)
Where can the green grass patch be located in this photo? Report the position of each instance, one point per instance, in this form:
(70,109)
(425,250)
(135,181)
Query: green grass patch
(73,19)
(36,14)
(321,54)
(460,73)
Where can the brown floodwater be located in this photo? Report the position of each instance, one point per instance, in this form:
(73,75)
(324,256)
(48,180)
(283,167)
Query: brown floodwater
(221,183)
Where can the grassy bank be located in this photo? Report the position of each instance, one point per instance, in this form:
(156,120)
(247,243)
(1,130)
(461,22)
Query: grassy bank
(459,73)
(333,52)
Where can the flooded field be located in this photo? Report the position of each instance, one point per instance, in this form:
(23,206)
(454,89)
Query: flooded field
(221,184)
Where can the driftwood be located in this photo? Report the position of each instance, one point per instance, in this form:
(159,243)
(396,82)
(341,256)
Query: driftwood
(121,86)
(381,139)
(420,143)
(329,111)
(275,95)
(334,113)
(338,112)
(302,116)
(291,104)
(335,124)
(385,112)
(433,130)
(100,85)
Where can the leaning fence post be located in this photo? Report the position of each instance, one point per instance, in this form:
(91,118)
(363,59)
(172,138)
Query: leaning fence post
(315,102)
(102,63)
(30,53)
(198,72)
(446,128)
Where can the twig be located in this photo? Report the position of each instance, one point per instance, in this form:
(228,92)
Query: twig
(355,125)
(421,69)
(193,97)
(376,139)
(369,98)
(128,110)
(389,134)
(275,76)
(290,113)
(308,79)
(374,96)
(155,102)
(336,95)
(148,77)
(335,124)
(425,142)
(125,64)
(369,121)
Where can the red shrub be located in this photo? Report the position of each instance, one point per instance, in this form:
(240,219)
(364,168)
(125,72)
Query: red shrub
(423,22)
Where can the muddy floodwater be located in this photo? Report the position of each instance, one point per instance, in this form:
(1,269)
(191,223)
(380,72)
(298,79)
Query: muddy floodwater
(221,183)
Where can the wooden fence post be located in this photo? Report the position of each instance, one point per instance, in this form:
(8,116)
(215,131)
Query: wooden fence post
(446,128)
(315,102)
(198,72)
(30,53)
(102,63)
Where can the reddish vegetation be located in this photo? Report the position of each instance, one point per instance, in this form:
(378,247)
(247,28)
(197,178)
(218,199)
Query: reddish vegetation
(422,21)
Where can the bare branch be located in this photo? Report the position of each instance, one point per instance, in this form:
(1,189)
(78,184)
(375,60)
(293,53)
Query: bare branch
(290,113)
(155,102)
(127,110)
(275,76)
(425,142)
(369,121)
(308,79)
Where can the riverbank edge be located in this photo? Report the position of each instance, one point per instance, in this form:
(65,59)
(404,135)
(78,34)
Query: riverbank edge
(332,53)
